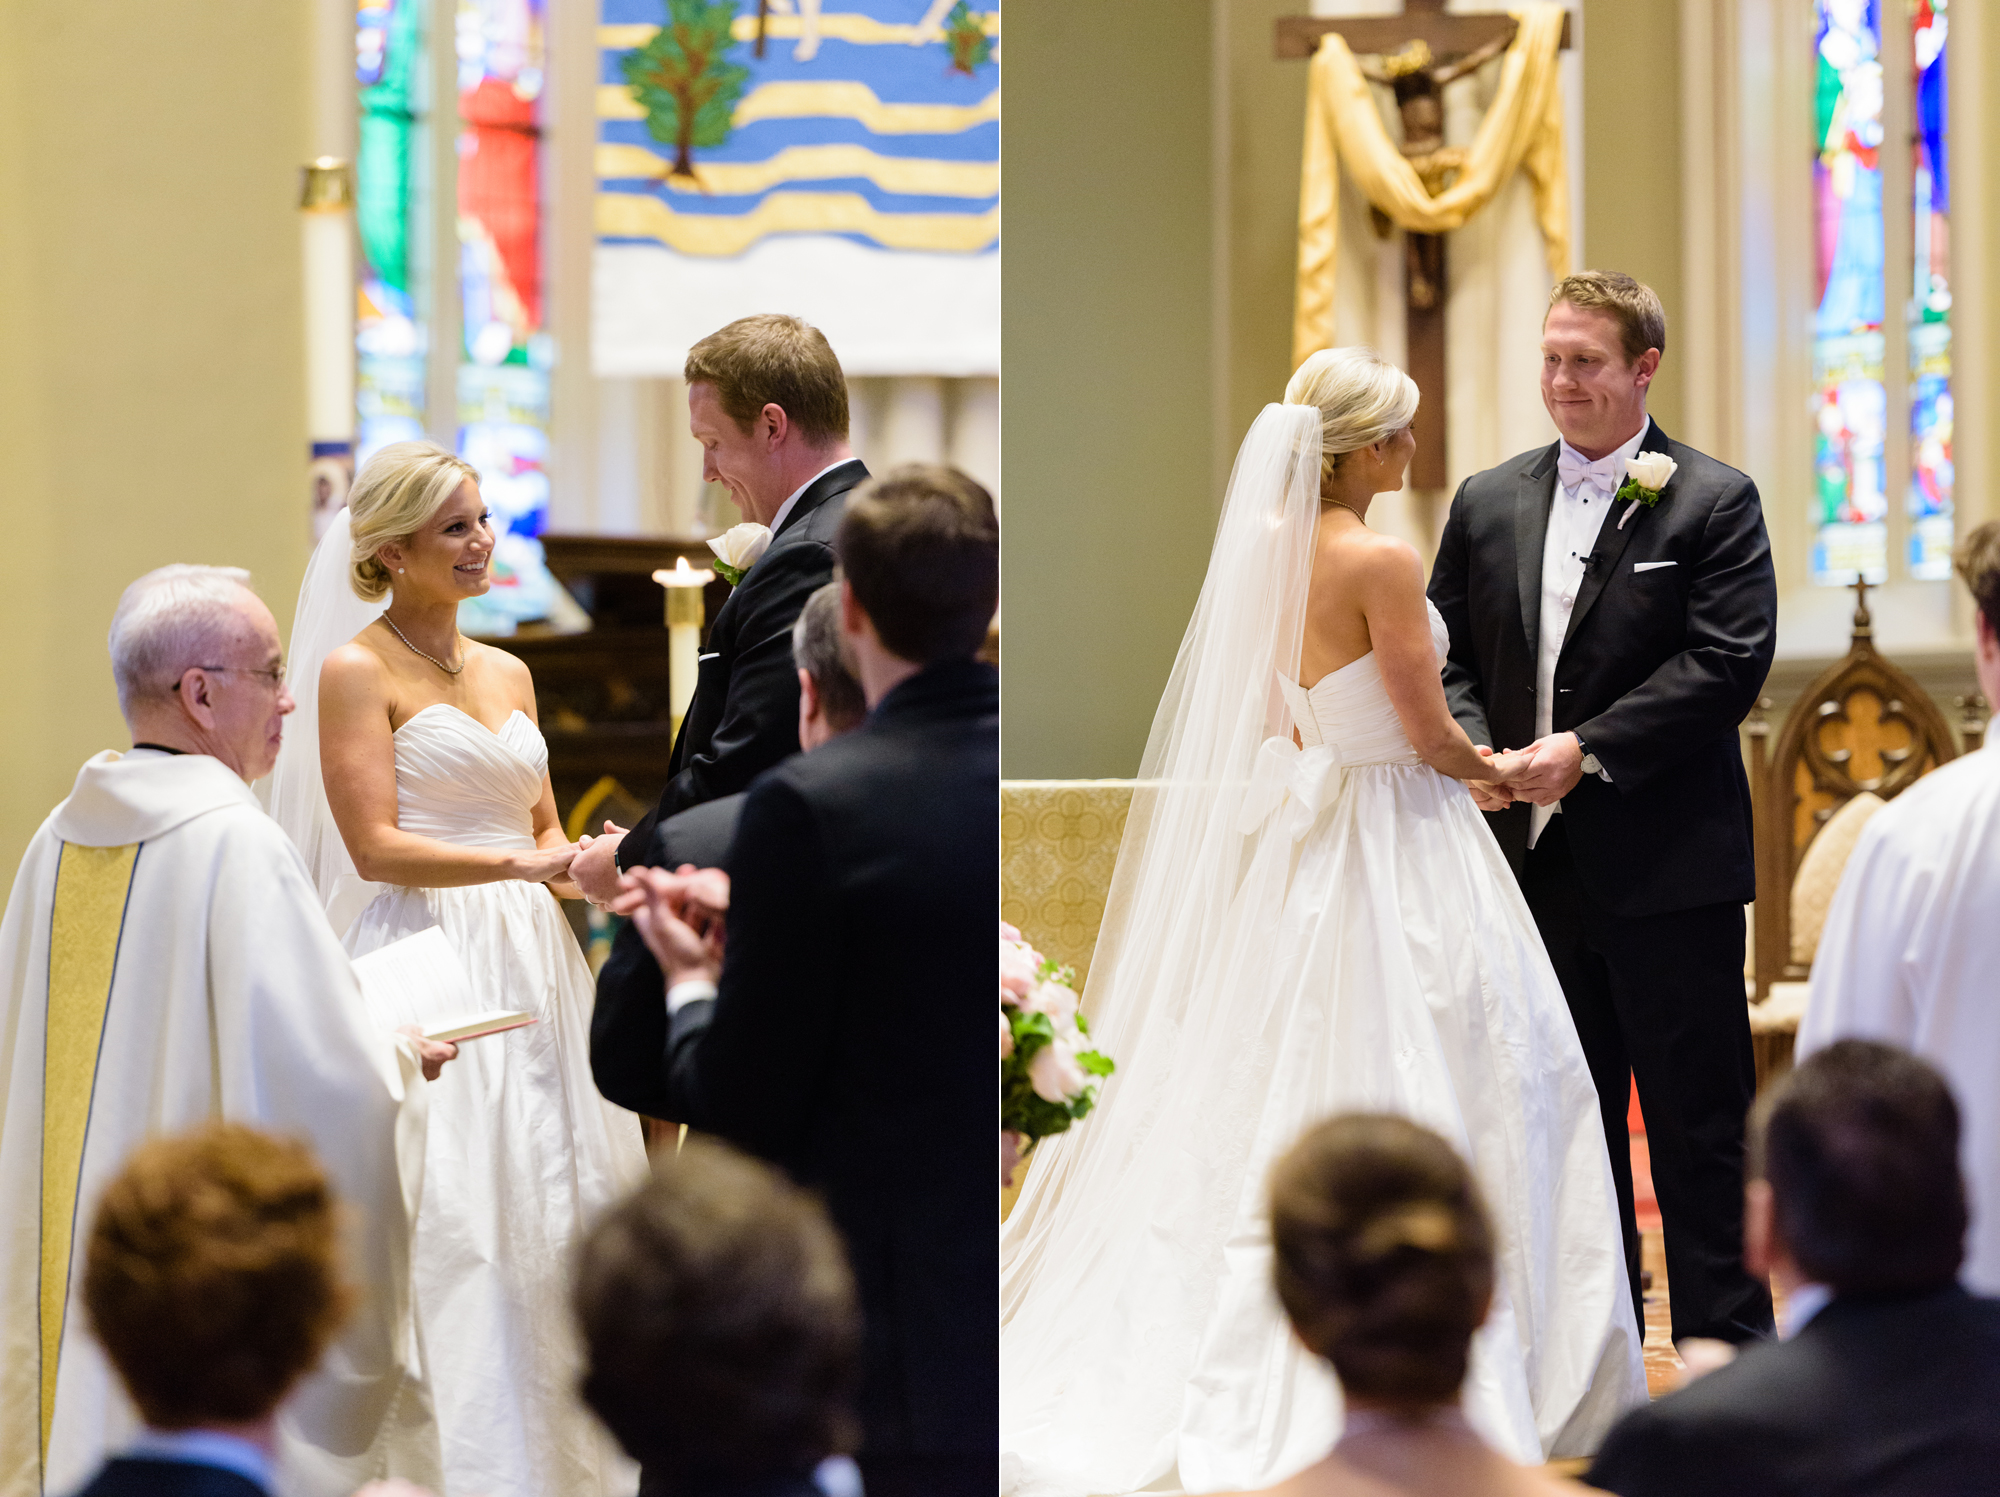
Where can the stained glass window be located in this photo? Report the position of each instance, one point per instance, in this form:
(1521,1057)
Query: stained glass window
(503,373)
(1930,507)
(389,333)
(1850,501)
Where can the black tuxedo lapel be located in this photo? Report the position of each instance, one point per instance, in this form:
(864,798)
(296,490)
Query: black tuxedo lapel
(834,481)
(1531,533)
(1612,540)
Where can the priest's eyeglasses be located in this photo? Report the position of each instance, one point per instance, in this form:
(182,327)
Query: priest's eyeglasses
(275,675)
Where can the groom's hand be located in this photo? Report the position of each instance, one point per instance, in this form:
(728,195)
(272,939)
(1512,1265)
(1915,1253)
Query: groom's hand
(1550,769)
(1489,795)
(595,867)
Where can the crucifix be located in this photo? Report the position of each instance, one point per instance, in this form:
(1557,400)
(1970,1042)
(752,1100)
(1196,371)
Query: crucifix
(1416,54)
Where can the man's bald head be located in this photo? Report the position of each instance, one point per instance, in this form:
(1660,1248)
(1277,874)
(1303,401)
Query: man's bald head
(174,617)
(196,657)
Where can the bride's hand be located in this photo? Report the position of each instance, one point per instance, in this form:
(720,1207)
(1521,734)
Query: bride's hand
(540,864)
(1490,795)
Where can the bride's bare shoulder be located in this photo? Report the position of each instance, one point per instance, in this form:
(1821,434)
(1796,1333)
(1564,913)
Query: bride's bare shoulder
(353,669)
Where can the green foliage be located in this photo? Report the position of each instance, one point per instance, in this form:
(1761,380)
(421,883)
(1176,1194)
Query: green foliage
(1022,1108)
(965,34)
(684,80)
(1630,490)
(729,574)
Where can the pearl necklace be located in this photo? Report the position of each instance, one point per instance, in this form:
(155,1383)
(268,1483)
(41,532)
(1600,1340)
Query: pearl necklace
(449,670)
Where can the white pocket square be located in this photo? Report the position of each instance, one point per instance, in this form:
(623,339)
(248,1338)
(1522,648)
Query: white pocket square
(1648,566)
(717,654)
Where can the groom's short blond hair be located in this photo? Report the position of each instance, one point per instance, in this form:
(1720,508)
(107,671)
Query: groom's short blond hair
(1633,305)
(774,359)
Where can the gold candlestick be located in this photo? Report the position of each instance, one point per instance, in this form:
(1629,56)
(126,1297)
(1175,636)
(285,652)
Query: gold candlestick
(684,586)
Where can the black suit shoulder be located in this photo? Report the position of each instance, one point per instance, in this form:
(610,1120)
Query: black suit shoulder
(126,1477)
(1698,469)
(1881,1398)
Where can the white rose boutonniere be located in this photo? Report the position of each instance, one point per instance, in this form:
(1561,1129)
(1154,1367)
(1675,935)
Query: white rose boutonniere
(737,549)
(1646,473)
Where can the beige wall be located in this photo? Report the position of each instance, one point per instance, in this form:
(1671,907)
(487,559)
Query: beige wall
(1108,397)
(152,404)
(1632,160)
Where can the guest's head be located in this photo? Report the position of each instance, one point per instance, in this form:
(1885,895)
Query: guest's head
(830,700)
(196,657)
(1602,339)
(919,553)
(1384,1257)
(1978,563)
(1854,1179)
(1366,405)
(721,1338)
(212,1276)
(768,402)
(420,528)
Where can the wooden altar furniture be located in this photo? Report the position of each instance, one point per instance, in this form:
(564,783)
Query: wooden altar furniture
(603,694)
(1862,733)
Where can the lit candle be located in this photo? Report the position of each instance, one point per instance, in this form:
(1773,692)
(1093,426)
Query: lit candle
(684,619)
(326,201)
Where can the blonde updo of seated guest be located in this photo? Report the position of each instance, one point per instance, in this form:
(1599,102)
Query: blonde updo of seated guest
(1361,396)
(396,492)
(1383,1259)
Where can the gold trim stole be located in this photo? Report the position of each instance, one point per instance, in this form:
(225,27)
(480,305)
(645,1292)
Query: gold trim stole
(85,927)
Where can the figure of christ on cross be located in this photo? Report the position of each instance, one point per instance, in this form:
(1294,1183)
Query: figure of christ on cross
(1416,54)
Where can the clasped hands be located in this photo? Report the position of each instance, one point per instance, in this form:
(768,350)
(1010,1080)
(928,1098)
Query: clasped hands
(681,916)
(1541,774)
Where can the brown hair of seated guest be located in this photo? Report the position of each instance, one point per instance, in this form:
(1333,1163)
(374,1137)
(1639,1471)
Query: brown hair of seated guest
(920,547)
(212,1276)
(1384,1256)
(1977,561)
(774,359)
(1859,1144)
(721,1335)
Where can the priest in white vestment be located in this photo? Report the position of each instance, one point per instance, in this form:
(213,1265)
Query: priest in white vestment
(1911,952)
(165,960)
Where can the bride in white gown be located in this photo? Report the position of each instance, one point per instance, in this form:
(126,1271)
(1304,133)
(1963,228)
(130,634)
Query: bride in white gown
(435,776)
(1308,916)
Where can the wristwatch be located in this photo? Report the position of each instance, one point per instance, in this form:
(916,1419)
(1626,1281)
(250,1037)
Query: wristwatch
(1590,764)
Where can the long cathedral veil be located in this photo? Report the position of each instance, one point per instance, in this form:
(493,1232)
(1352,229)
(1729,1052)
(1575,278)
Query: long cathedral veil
(329,615)
(1185,844)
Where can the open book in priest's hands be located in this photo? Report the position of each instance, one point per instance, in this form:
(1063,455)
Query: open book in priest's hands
(420,980)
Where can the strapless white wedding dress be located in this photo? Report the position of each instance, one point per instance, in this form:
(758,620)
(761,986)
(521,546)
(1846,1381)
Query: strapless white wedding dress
(522,1153)
(1378,955)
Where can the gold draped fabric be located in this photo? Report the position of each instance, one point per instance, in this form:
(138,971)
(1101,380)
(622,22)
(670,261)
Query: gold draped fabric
(1522,130)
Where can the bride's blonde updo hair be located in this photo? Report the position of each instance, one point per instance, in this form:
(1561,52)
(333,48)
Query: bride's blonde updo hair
(394,496)
(1383,1255)
(1361,398)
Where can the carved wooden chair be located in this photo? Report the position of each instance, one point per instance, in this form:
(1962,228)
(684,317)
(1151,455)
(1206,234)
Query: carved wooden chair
(1859,735)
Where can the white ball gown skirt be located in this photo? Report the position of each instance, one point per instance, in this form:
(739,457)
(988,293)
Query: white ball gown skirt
(522,1153)
(1378,956)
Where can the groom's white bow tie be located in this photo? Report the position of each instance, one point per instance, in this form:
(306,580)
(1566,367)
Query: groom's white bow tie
(1604,475)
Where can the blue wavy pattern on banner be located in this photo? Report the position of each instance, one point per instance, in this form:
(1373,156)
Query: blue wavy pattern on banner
(896,73)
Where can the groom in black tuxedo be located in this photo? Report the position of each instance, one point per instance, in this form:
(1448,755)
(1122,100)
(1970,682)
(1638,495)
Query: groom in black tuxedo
(1621,637)
(847,1036)
(767,400)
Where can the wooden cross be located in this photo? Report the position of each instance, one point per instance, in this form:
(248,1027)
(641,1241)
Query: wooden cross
(1418,52)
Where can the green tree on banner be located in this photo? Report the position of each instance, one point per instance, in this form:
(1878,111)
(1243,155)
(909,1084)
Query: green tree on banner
(965,34)
(684,80)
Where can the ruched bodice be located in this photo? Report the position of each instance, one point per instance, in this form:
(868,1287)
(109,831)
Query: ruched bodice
(1350,708)
(460,781)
